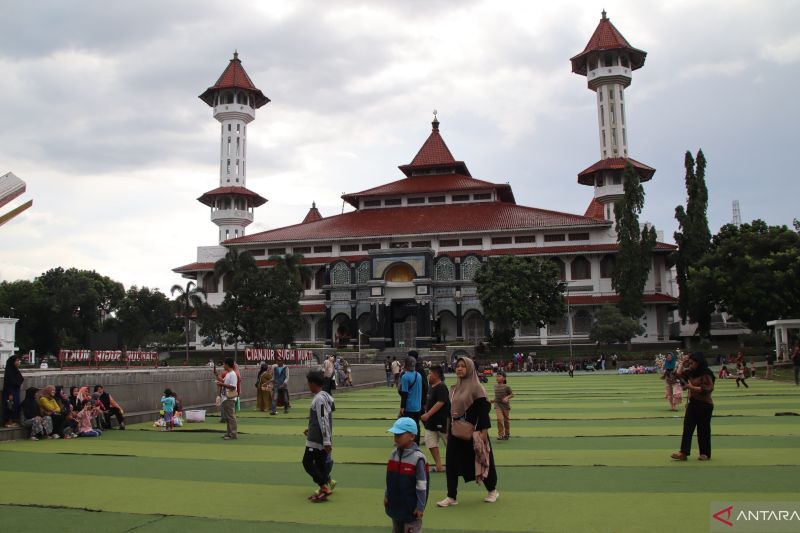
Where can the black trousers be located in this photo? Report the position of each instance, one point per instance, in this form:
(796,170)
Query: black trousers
(415,418)
(452,477)
(117,414)
(317,465)
(328,385)
(698,415)
(746,386)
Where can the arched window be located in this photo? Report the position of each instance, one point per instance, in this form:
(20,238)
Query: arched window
(581,268)
(581,322)
(447,326)
(399,273)
(469,268)
(562,269)
(474,328)
(445,270)
(607,266)
(340,274)
(362,274)
(209,283)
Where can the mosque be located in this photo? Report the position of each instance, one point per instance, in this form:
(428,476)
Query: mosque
(398,270)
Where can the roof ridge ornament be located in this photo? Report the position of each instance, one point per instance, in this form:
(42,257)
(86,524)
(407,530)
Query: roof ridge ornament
(435,122)
(604,14)
(236,54)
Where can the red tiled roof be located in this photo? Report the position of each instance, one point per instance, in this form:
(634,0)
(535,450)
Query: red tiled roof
(313,308)
(610,299)
(431,184)
(607,37)
(313,214)
(542,250)
(255,198)
(595,210)
(586,177)
(448,218)
(234,76)
(434,155)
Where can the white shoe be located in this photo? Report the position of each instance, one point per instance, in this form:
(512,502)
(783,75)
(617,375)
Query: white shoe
(447,502)
(492,497)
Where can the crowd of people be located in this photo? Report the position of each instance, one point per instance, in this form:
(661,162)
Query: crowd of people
(52,412)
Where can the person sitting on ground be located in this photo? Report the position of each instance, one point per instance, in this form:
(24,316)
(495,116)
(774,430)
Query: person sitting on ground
(168,406)
(48,406)
(109,407)
(84,418)
(39,426)
(70,426)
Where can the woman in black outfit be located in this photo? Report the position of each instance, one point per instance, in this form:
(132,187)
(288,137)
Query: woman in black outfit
(468,402)
(12,385)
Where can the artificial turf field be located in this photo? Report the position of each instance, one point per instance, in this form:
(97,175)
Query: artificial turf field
(586,454)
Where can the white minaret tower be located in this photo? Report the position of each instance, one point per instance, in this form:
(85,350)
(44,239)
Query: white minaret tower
(234,99)
(608,62)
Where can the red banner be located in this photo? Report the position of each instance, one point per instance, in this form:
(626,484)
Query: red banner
(268,354)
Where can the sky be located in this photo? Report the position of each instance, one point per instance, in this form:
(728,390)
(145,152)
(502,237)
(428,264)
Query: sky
(100,114)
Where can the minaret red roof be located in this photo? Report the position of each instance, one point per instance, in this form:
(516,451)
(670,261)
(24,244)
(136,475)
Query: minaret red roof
(313,214)
(607,37)
(595,210)
(434,156)
(254,199)
(617,164)
(234,77)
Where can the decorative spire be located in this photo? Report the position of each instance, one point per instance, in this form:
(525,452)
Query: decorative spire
(236,51)
(604,14)
(435,122)
(313,205)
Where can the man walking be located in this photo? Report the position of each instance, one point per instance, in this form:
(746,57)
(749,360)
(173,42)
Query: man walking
(411,393)
(437,412)
(396,366)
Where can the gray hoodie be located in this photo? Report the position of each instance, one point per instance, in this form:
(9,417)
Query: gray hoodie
(320,421)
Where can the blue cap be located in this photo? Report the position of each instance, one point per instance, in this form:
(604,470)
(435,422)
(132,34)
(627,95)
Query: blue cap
(404,425)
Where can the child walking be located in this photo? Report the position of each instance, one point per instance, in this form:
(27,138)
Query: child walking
(168,406)
(502,406)
(318,457)
(407,479)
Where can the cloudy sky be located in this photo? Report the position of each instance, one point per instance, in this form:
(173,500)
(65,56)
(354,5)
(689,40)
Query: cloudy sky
(100,114)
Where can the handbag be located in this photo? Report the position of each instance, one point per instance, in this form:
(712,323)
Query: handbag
(461,429)
(231,393)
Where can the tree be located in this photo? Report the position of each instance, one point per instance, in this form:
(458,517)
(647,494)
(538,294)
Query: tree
(188,300)
(233,269)
(212,325)
(693,239)
(751,271)
(611,326)
(516,292)
(635,246)
(143,313)
(292,265)
(271,313)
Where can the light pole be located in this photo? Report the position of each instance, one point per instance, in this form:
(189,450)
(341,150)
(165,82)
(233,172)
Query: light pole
(569,319)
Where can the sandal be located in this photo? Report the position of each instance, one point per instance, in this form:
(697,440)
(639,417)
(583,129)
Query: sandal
(319,497)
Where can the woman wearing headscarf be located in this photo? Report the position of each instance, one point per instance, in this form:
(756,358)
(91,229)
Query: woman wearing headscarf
(264,387)
(700,383)
(40,426)
(48,406)
(471,459)
(12,385)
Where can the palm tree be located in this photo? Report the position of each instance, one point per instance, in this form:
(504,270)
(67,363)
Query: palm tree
(188,299)
(291,263)
(232,270)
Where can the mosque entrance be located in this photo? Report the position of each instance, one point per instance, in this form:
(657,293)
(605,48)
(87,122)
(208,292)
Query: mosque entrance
(404,322)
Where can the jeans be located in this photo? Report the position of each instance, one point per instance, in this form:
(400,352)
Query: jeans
(698,415)
(388,379)
(90,433)
(280,393)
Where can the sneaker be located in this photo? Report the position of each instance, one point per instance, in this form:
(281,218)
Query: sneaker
(492,496)
(332,484)
(34,438)
(230,437)
(679,456)
(56,436)
(703,457)
(447,502)
(273,412)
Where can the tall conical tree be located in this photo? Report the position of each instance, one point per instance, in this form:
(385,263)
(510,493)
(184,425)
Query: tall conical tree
(693,239)
(635,246)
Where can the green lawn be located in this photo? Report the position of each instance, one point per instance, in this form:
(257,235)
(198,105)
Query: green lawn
(587,454)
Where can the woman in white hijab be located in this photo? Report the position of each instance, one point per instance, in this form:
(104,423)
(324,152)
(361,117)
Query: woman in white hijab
(469,451)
